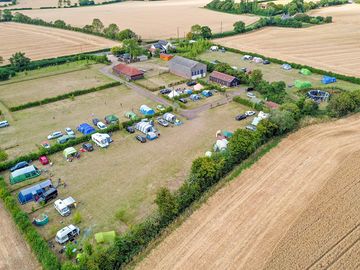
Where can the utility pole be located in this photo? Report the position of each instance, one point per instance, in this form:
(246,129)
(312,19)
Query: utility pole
(177,33)
(221,28)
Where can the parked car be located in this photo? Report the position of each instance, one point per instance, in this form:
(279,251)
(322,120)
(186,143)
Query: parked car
(65,138)
(95,121)
(249,89)
(19,166)
(44,160)
(54,135)
(130,129)
(244,69)
(250,113)
(223,50)
(45,144)
(48,195)
(183,100)
(165,91)
(4,124)
(191,83)
(162,122)
(251,128)
(140,138)
(251,95)
(101,125)
(240,117)
(88,147)
(69,131)
(266,62)
(160,108)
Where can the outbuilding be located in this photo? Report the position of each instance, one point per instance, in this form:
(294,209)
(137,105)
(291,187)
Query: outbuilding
(130,73)
(28,194)
(24,174)
(224,79)
(166,57)
(146,110)
(187,68)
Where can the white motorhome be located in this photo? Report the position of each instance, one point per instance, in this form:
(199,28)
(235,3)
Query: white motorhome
(67,233)
(100,139)
(63,206)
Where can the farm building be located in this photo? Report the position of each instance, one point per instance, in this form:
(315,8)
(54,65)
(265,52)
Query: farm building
(130,73)
(146,110)
(144,127)
(86,129)
(132,116)
(162,46)
(328,79)
(28,194)
(166,57)
(224,79)
(187,68)
(24,174)
(305,71)
(111,119)
(302,84)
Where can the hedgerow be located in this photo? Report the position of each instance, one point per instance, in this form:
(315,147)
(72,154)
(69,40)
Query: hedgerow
(246,102)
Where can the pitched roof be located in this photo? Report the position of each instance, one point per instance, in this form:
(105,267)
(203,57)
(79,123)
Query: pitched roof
(222,76)
(127,70)
(184,61)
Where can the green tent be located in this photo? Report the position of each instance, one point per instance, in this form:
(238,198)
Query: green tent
(111,119)
(305,71)
(302,84)
(105,237)
(70,151)
(24,174)
(132,116)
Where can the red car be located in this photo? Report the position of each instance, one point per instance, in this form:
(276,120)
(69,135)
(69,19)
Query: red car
(44,160)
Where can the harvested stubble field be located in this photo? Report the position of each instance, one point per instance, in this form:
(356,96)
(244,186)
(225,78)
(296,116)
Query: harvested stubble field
(241,225)
(44,42)
(333,47)
(14,253)
(149,19)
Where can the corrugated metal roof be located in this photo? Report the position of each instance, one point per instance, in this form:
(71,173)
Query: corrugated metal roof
(184,61)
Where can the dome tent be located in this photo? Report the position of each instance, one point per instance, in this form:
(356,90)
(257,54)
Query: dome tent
(302,84)
(305,71)
(146,110)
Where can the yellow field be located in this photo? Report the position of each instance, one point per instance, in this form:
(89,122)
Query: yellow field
(149,19)
(43,42)
(332,46)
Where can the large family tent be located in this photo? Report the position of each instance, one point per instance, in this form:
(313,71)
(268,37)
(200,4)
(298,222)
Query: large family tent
(195,97)
(111,119)
(105,237)
(173,94)
(328,79)
(132,116)
(28,194)
(305,71)
(206,93)
(144,127)
(24,174)
(188,92)
(169,117)
(286,67)
(86,129)
(146,110)
(70,151)
(302,84)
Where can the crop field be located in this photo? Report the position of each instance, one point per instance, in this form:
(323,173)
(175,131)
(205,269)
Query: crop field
(40,3)
(149,19)
(43,42)
(242,223)
(55,81)
(330,47)
(274,72)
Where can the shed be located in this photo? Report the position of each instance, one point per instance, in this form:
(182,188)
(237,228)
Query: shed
(169,117)
(166,57)
(286,67)
(24,174)
(86,129)
(187,68)
(144,127)
(305,71)
(130,73)
(70,151)
(28,194)
(206,93)
(302,84)
(224,79)
(111,119)
(328,79)
(146,110)
(132,116)
(105,237)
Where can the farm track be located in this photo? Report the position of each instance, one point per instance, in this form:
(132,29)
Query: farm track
(242,224)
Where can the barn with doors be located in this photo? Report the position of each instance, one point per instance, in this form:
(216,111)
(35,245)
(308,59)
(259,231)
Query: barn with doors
(224,79)
(130,73)
(187,68)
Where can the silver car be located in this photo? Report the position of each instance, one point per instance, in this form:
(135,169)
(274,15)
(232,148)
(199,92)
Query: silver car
(4,124)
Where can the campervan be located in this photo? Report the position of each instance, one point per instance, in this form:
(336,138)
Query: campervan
(62,207)
(66,234)
(100,139)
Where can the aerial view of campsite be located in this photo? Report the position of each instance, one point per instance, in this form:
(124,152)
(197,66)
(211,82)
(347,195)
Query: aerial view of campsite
(179,134)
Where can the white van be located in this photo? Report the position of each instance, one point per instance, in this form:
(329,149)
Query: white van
(63,206)
(67,233)
(100,139)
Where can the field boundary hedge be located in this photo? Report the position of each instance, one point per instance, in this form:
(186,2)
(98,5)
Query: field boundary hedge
(72,94)
(256,106)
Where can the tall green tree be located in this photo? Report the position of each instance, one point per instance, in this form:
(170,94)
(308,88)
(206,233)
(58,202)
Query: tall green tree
(239,27)
(166,203)
(19,61)
(132,47)
(206,32)
(126,34)
(7,15)
(111,31)
(97,25)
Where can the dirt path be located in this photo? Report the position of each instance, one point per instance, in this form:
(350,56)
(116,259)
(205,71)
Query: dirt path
(240,226)
(14,253)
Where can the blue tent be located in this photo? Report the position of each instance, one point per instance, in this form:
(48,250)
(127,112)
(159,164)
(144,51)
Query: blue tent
(328,79)
(86,129)
(206,93)
(188,92)
(146,110)
(194,97)
(286,66)
(28,194)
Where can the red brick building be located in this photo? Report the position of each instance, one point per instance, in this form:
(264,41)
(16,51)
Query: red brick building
(130,73)
(224,79)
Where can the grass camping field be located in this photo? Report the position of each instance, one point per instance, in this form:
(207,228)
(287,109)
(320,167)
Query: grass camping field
(243,222)
(330,47)
(149,19)
(43,42)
